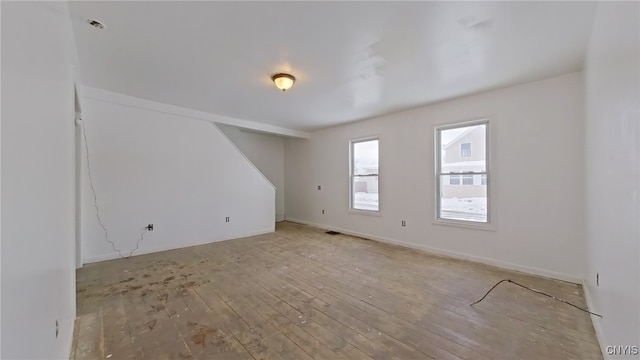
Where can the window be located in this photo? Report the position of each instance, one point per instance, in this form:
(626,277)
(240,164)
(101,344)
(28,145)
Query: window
(466,204)
(465,150)
(467,179)
(364,174)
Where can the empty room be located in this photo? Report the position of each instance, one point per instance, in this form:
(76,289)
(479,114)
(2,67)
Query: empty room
(320,180)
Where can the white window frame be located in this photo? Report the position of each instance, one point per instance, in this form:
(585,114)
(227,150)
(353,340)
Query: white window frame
(352,142)
(490,224)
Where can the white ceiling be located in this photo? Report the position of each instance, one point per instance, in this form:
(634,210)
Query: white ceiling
(352,60)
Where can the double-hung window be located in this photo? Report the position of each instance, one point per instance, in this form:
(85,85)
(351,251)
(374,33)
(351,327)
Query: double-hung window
(467,204)
(364,174)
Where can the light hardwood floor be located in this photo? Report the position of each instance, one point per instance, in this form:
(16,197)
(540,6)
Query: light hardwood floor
(299,293)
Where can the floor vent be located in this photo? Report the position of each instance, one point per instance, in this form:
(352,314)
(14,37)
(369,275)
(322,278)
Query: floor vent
(332,232)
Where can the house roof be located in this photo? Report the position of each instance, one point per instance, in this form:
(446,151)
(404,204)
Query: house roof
(457,138)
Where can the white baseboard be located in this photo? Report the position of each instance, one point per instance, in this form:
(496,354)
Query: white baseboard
(453,254)
(114,255)
(597,322)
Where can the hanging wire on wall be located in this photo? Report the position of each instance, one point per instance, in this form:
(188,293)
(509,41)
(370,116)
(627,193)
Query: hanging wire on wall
(95,199)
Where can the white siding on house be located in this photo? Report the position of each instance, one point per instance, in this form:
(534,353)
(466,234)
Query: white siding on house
(454,160)
(476,137)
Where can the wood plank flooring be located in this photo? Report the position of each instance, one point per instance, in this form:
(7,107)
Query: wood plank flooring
(300,293)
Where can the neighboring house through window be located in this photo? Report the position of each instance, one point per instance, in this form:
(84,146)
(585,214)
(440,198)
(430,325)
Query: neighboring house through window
(364,174)
(467,179)
(456,164)
(465,150)
(454,179)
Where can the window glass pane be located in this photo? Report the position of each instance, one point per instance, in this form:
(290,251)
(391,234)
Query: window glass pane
(364,175)
(484,179)
(365,157)
(456,155)
(463,202)
(454,179)
(365,193)
(467,179)
(465,150)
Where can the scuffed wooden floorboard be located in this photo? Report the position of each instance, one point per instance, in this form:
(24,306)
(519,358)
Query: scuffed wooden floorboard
(299,293)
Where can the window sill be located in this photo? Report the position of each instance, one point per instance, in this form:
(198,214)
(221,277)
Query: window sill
(365,212)
(466,224)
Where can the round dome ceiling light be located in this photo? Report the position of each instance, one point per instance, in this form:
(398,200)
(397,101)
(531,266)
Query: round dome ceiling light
(96,24)
(283,81)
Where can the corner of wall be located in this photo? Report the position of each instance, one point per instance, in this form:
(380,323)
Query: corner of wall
(597,324)
(235,146)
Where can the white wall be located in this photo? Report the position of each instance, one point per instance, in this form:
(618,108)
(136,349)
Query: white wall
(612,78)
(266,152)
(537,178)
(181,174)
(38,272)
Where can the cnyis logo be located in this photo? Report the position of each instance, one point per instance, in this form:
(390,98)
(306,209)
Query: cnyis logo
(622,350)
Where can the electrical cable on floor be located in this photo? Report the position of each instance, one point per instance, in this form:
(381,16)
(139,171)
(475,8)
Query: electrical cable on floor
(95,201)
(535,291)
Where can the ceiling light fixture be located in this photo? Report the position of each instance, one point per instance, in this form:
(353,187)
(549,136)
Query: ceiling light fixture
(283,81)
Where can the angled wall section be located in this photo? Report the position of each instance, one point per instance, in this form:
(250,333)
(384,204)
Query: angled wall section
(266,152)
(179,173)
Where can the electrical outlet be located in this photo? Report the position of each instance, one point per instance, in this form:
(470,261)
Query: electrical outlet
(57,328)
(404,223)
(150,227)
(598,279)
(227,219)
(323,211)
(319,187)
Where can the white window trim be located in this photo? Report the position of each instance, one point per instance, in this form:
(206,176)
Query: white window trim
(364,211)
(491,201)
